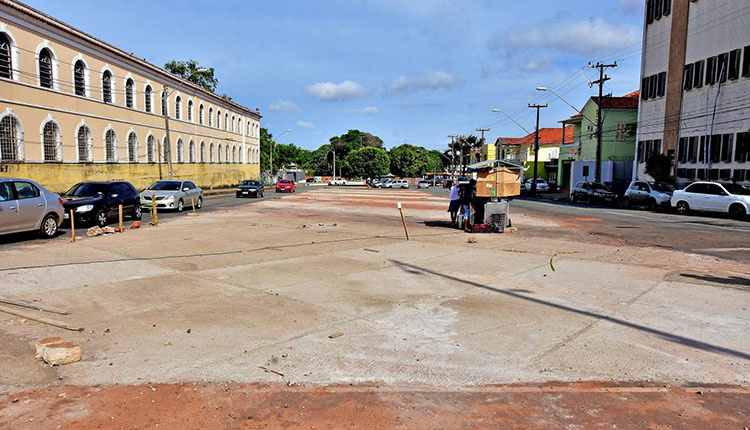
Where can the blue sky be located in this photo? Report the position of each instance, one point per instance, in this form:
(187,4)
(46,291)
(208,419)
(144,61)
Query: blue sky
(406,70)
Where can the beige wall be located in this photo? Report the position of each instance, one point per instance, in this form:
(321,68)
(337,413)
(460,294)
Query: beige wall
(33,106)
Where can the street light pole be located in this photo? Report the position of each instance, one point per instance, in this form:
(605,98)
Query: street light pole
(536,147)
(282,133)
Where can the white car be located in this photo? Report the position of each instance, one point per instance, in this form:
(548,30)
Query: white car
(398,183)
(541,184)
(732,199)
(337,181)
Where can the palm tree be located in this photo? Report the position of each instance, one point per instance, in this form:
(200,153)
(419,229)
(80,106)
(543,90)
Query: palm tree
(463,146)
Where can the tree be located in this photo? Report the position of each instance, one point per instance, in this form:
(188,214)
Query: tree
(189,70)
(410,161)
(265,150)
(369,162)
(659,167)
(353,140)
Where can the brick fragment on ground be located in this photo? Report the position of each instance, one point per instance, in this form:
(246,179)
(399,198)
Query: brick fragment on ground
(135,225)
(58,354)
(42,345)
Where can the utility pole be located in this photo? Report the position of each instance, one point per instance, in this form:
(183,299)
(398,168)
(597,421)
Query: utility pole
(453,155)
(482,130)
(536,146)
(602,79)
(168,149)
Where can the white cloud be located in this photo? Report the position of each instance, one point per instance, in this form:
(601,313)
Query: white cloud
(590,37)
(285,106)
(330,92)
(368,110)
(305,124)
(432,80)
(536,64)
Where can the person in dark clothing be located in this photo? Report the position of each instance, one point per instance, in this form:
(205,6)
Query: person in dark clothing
(466,196)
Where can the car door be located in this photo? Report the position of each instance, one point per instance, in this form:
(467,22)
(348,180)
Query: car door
(640,193)
(114,199)
(8,208)
(31,205)
(193,191)
(696,196)
(132,198)
(717,198)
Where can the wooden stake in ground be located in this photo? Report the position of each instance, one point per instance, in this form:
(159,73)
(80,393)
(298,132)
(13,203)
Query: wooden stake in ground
(72,227)
(193,200)
(121,229)
(31,305)
(403,221)
(154,214)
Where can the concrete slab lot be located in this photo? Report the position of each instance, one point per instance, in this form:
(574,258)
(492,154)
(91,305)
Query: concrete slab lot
(318,297)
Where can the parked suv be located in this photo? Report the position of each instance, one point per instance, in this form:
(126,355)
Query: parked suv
(648,193)
(592,192)
(399,183)
(733,199)
(98,202)
(27,206)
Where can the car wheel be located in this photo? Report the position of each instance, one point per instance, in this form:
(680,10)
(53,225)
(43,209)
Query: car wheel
(682,208)
(737,212)
(180,205)
(626,203)
(137,212)
(199,203)
(101,218)
(651,205)
(49,226)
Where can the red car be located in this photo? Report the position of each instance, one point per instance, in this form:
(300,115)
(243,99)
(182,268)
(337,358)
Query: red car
(285,185)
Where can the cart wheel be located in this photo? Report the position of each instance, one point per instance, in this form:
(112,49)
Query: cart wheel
(510,224)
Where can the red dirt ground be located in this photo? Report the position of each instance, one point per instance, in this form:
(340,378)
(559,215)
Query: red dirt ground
(251,406)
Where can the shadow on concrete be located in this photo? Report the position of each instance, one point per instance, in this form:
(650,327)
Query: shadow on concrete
(734,281)
(693,343)
(439,224)
(31,237)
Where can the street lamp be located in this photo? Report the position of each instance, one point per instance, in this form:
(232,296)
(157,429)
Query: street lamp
(511,118)
(164,112)
(282,133)
(545,89)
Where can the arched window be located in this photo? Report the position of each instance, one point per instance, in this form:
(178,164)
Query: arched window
(218,119)
(211,153)
(203,152)
(249,158)
(226,121)
(132,147)
(247,129)
(180,156)
(233,123)
(11,139)
(83,141)
(226,153)
(239,125)
(210,116)
(164,150)
(220,154)
(190,110)
(110,146)
(150,149)
(234,154)
(177,107)
(129,93)
(200,114)
(52,139)
(191,152)
(45,68)
(164,104)
(147,98)
(6,63)
(107,86)
(79,79)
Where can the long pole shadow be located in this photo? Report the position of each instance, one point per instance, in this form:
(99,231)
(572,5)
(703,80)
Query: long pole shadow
(693,343)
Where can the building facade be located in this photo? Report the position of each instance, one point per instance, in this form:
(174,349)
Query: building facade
(74,108)
(694,83)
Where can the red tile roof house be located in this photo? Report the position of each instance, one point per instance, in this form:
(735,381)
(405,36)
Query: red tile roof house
(521,150)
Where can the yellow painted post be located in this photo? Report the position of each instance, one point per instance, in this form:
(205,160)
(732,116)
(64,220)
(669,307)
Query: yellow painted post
(72,227)
(403,221)
(154,213)
(121,229)
(193,200)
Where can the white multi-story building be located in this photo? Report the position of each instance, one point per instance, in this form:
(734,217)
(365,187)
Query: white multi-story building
(695,89)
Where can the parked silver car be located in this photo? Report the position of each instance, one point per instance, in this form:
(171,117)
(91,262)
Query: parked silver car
(27,206)
(648,193)
(175,194)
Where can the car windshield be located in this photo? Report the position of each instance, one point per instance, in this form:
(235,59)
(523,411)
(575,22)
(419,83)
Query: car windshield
(165,186)
(737,189)
(250,183)
(600,187)
(285,181)
(87,190)
(662,186)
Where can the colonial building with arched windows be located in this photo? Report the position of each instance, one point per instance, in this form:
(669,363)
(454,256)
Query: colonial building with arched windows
(75,108)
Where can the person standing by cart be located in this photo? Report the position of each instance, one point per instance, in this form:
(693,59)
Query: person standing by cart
(466,197)
(455,203)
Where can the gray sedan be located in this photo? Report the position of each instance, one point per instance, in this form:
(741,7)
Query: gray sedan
(27,206)
(174,194)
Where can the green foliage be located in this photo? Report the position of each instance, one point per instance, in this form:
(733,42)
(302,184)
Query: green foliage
(659,167)
(283,154)
(368,162)
(353,140)
(410,161)
(320,161)
(463,146)
(189,70)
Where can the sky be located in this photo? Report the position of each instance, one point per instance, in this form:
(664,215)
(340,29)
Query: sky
(409,71)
